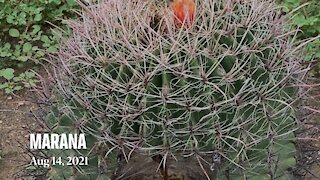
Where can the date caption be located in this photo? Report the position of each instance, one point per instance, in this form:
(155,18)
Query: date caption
(59,161)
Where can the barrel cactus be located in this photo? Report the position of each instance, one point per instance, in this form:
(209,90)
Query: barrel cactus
(221,92)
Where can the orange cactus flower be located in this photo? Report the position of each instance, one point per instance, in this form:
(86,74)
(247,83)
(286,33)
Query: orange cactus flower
(184,10)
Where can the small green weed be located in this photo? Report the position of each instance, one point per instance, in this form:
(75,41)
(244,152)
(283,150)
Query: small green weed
(306,16)
(26,36)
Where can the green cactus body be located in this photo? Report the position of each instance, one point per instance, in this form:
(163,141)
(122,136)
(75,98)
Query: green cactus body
(224,86)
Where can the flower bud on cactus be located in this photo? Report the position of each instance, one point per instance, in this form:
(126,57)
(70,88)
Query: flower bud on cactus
(184,10)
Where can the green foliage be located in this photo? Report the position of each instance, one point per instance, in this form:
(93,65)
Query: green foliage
(306,16)
(25,36)
(225,87)
(15,83)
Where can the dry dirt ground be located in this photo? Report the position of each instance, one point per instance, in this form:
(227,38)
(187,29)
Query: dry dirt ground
(17,120)
(309,135)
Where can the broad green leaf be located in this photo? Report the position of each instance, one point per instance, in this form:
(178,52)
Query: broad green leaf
(22,75)
(4,85)
(14,32)
(8,90)
(38,17)
(7,73)
(34,48)
(300,21)
(26,47)
(45,39)
(52,49)
(5,54)
(17,79)
(40,53)
(10,19)
(36,28)
(30,74)
(17,88)
(23,58)
(7,45)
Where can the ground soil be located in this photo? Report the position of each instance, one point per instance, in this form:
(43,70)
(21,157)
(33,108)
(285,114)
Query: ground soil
(308,143)
(15,121)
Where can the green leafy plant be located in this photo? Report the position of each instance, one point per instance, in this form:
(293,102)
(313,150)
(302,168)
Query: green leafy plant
(13,83)
(222,92)
(306,16)
(25,35)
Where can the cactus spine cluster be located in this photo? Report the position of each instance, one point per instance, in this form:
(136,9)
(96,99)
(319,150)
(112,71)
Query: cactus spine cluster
(222,88)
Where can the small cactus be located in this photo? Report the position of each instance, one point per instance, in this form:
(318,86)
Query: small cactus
(223,88)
